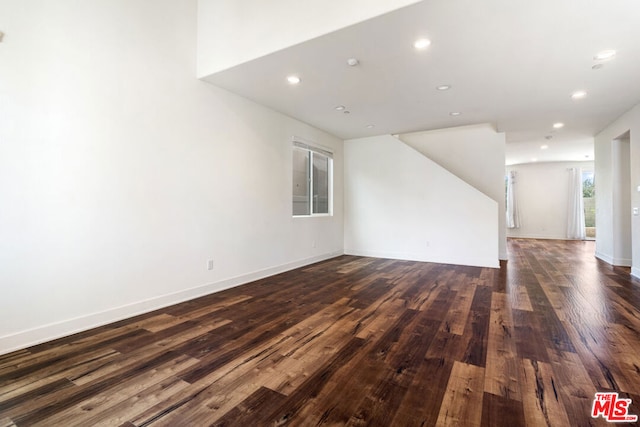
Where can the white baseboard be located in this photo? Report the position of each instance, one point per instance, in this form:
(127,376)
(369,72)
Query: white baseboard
(44,333)
(621,262)
(604,257)
(538,236)
(409,256)
(635,272)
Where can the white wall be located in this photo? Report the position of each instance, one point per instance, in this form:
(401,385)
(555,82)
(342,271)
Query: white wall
(121,174)
(542,197)
(400,204)
(231,32)
(476,154)
(607,201)
(620,151)
(604,200)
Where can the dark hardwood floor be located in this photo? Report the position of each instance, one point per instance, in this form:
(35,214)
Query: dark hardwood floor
(355,341)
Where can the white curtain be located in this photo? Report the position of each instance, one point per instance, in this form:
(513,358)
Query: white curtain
(513,215)
(575,219)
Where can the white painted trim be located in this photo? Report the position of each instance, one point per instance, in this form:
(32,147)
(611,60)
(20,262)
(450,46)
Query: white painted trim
(622,262)
(30,337)
(409,256)
(539,236)
(307,144)
(603,257)
(311,177)
(635,272)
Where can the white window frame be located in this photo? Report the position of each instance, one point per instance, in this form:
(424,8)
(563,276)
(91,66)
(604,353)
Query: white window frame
(299,143)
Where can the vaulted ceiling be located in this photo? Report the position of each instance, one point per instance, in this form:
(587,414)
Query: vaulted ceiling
(511,63)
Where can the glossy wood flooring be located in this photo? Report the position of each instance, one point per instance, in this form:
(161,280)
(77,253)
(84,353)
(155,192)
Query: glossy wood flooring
(355,341)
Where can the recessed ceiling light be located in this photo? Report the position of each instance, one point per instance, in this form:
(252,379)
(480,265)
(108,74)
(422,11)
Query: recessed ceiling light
(605,55)
(544,147)
(534,159)
(443,87)
(579,94)
(455,113)
(558,125)
(422,43)
(340,107)
(370,126)
(294,80)
(352,62)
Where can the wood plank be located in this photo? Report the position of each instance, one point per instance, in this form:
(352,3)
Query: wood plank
(456,318)
(6,422)
(540,400)
(465,385)
(499,411)
(577,388)
(35,393)
(422,402)
(43,361)
(519,298)
(99,408)
(502,377)
(385,364)
(620,339)
(397,373)
(477,328)
(73,367)
(528,334)
(593,356)
(315,383)
(40,409)
(131,359)
(254,410)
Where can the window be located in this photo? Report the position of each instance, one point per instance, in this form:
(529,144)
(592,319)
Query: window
(589,194)
(312,180)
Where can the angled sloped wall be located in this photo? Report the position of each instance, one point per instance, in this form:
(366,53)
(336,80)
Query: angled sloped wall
(400,204)
(473,153)
(231,32)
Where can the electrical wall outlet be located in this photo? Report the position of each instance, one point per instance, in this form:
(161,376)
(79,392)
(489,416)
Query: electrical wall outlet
(210,264)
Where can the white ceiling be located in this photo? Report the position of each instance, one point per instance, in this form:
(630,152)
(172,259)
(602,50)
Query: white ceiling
(510,63)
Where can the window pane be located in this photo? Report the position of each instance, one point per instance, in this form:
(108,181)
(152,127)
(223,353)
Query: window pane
(589,193)
(300,182)
(320,183)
